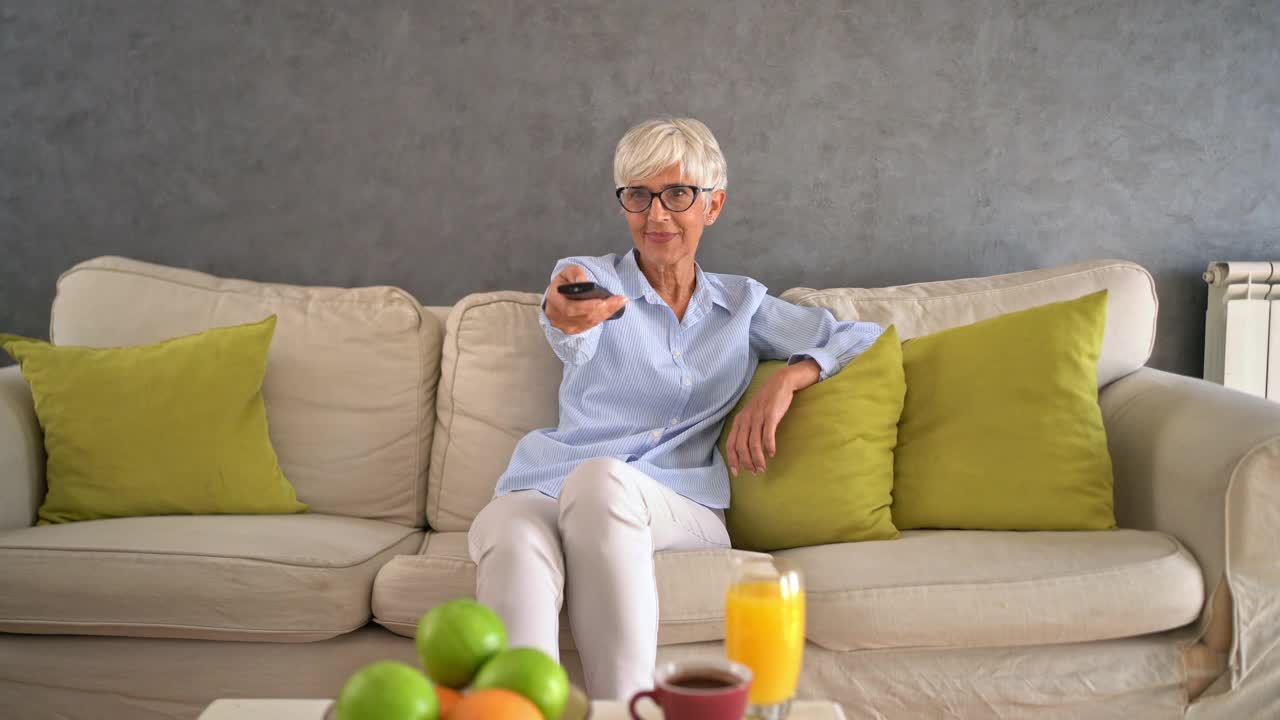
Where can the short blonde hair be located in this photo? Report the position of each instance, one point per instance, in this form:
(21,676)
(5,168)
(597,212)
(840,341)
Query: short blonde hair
(654,145)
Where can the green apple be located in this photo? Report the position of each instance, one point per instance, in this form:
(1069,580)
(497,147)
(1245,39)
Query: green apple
(531,673)
(388,690)
(457,637)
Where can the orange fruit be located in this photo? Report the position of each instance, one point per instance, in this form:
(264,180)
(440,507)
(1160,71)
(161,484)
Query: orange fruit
(495,704)
(448,697)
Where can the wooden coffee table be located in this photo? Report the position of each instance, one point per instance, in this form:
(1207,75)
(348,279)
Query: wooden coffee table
(316,709)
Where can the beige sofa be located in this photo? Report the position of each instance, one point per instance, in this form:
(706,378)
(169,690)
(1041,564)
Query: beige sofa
(393,421)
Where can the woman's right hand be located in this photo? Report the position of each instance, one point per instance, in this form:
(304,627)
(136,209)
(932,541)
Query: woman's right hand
(577,316)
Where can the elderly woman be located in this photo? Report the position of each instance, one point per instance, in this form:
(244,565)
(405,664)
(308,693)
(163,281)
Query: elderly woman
(633,467)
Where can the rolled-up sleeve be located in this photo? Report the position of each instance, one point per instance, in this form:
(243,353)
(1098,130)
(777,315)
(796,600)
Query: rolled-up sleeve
(574,349)
(783,331)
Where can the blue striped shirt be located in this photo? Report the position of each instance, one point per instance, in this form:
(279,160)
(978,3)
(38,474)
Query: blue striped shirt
(654,391)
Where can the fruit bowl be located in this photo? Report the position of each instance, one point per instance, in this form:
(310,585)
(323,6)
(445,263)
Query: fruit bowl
(578,707)
(467,671)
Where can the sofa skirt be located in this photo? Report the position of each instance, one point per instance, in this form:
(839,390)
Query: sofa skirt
(62,677)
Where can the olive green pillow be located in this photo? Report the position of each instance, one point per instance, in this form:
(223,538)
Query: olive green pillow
(832,476)
(1001,429)
(173,428)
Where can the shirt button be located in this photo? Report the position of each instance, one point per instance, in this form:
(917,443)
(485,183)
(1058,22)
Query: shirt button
(676,353)
(675,421)
(687,382)
(657,433)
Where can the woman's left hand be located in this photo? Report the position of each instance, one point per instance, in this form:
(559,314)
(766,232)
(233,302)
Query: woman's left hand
(752,436)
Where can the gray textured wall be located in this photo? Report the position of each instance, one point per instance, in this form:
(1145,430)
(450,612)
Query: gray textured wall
(456,147)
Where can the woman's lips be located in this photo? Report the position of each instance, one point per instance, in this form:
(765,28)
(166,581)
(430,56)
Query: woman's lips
(659,237)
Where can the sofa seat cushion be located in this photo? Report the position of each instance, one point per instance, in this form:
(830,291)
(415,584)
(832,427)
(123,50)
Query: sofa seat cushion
(691,589)
(289,578)
(963,588)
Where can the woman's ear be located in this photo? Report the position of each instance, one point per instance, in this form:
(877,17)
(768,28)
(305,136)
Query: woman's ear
(715,204)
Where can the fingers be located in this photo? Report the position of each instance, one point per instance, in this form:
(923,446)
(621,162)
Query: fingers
(731,448)
(741,443)
(579,310)
(568,316)
(582,315)
(571,274)
(753,437)
(755,440)
(599,312)
(772,419)
(611,305)
(770,432)
(595,312)
(576,316)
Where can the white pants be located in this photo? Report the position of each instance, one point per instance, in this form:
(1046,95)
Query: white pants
(606,526)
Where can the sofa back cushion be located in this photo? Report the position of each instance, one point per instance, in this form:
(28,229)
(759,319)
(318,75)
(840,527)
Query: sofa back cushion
(925,308)
(498,381)
(351,374)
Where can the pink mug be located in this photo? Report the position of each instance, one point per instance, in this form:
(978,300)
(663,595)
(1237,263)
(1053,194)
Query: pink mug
(698,690)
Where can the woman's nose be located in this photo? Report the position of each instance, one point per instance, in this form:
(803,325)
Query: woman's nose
(657,210)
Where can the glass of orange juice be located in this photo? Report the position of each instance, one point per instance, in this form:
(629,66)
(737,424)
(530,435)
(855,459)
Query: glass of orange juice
(764,630)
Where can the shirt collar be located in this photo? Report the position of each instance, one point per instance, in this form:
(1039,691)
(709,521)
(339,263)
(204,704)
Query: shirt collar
(636,285)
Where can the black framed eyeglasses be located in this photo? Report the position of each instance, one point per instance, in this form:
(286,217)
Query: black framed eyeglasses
(676,198)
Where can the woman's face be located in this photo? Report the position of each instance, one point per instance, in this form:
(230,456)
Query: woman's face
(666,238)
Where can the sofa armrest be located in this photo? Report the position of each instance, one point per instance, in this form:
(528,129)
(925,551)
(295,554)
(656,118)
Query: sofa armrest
(21,452)
(1202,463)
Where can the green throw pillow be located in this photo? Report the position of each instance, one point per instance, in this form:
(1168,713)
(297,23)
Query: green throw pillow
(832,476)
(173,428)
(1001,429)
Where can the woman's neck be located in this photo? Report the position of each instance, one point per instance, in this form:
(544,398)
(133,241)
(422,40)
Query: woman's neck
(674,283)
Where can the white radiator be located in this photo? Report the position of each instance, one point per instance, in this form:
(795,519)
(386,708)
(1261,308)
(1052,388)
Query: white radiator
(1242,327)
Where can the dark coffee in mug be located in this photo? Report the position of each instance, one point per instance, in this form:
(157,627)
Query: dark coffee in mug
(708,689)
(703,681)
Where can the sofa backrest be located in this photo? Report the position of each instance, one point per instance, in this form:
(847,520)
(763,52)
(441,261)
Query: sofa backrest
(925,308)
(500,380)
(351,374)
(351,386)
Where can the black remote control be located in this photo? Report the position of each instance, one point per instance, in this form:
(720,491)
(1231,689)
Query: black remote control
(588,291)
